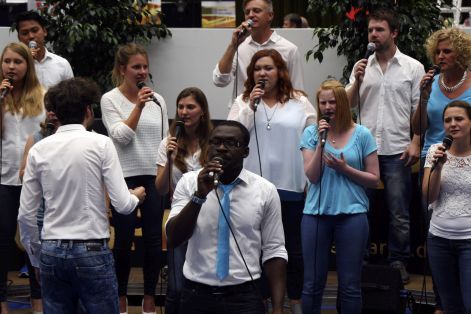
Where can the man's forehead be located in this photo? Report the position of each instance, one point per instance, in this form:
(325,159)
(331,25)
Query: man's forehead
(226,131)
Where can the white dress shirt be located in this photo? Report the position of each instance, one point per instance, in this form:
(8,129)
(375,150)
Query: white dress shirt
(280,157)
(137,150)
(52,69)
(256,221)
(248,48)
(388,100)
(71,170)
(16,130)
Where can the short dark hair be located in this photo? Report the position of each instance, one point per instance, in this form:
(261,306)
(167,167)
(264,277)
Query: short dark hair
(28,16)
(295,19)
(240,126)
(70,98)
(386,14)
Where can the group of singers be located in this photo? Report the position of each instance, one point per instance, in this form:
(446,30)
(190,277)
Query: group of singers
(257,201)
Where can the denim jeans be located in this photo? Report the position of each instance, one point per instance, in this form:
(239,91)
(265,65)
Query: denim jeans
(176,259)
(152,213)
(71,271)
(10,203)
(450,263)
(349,233)
(397,192)
(239,299)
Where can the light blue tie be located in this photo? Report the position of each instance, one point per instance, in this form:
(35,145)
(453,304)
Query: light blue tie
(222,261)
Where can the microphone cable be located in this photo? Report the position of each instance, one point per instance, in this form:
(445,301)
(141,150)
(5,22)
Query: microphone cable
(256,143)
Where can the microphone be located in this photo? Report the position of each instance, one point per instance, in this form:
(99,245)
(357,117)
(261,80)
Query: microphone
(324,135)
(216,174)
(370,49)
(258,99)
(140,85)
(447,141)
(436,70)
(179,127)
(6,90)
(244,30)
(32,44)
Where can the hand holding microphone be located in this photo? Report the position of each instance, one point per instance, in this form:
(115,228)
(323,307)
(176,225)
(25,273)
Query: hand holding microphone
(428,77)
(172,145)
(33,47)
(440,154)
(259,90)
(5,88)
(149,94)
(324,128)
(246,26)
(208,177)
(360,67)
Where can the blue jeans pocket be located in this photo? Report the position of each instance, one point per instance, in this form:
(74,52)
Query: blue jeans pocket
(95,267)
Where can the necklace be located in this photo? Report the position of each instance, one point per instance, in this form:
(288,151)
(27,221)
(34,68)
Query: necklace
(269,118)
(451,89)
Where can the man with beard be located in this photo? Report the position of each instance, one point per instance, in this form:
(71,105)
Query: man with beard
(385,88)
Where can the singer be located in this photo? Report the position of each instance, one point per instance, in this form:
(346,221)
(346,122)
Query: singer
(386,90)
(240,50)
(177,156)
(282,115)
(448,189)
(136,124)
(22,111)
(336,202)
(216,278)
(50,68)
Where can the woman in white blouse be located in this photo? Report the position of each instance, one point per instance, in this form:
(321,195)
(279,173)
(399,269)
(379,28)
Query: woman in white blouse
(447,188)
(22,112)
(136,120)
(192,124)
(276,115)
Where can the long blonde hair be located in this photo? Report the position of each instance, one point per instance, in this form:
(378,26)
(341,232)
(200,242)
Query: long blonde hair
(32,94)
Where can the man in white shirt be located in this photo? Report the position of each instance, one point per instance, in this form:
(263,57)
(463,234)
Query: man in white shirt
(388,86)
(71,170)
(50,68)
(216,282)
(247,40)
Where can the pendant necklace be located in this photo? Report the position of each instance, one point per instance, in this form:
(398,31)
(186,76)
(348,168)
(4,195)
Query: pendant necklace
(451,89)
(272,115)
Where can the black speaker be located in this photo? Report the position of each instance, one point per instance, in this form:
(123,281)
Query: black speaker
(382,290)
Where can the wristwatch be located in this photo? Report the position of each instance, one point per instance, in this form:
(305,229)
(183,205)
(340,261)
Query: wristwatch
(197,200)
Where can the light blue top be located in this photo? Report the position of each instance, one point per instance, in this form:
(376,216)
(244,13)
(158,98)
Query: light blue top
(339,194)
(436,103)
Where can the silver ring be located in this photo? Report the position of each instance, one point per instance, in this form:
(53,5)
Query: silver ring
(211,174)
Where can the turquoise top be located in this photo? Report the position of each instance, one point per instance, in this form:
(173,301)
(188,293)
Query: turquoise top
(339,194)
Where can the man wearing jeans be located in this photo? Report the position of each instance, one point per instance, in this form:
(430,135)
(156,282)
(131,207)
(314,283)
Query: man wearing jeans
(71,170)
(387,85)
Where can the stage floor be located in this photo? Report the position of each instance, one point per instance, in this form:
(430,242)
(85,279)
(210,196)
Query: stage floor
(19,293)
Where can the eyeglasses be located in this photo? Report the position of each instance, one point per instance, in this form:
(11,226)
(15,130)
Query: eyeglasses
(228,143)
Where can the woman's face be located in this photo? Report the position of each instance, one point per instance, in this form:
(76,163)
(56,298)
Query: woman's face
(327,103)
(445,56)
(457,122)
(265,69)
(189,111)
(136,70)
(14,66)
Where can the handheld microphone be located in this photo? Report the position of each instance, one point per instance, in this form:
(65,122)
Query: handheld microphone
(370,49)
(257,101)
(436,70)
(216,174)
(447,141)
(179,127)
(32,44)
(140,85)
(324,135)
(6,90)
(244,30)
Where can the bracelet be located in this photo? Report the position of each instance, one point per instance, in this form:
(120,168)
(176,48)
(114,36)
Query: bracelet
(197,200)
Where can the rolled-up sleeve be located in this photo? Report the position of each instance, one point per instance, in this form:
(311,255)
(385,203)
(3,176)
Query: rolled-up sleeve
(221,79)
(241,112)
(113,121)
(273,239)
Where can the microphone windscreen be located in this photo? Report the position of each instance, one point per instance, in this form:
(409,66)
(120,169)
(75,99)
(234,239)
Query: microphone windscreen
(32,44)
(370,49)
(325,117)
(447,141)
(140,84)
(179,127)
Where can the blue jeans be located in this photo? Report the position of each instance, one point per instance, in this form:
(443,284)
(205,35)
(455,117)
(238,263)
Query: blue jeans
(152,213)
(318,233)
(71,271)
(397,192)
(176,259)
(450,263)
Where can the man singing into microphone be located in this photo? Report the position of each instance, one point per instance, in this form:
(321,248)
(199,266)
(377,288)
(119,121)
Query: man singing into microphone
(251,36)
(71,170)
(50,68)
(229,227)
(388,86)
